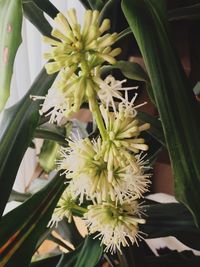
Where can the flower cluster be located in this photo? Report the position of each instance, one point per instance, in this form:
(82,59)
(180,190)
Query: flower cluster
(77,54)
(85,48)
(116,223)
(110,172)
(89,173)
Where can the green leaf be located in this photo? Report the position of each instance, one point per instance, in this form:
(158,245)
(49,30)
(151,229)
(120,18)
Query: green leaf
(16,132)
(187,12)
(69,259)
(44,5)
(10,36)
(112,10)
(125,262)
(92,4)
(177,106)
(85,4)
(132,70)
(51,132)
(69,232)
(48,155)
(171,219)
(35,15)
(90,253)
(156,127)
(107,11)
(96,4)
(22,227)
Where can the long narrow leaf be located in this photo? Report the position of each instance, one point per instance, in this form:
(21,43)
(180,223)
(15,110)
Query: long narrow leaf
(35,15)
(48,155)
(174,98)
(10,36)
(90,253)
(96,4)
(171,219)
(46,6)
(16,132)
(69,259)
(132,70)
(156,127)
(51,132)
(85,4)
(69,232)
(22,227)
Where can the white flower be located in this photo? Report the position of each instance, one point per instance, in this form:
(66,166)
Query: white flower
(65,100)
(115,224)
(135,183)
(83,164)
(55,105)
(109,89)
(63,209)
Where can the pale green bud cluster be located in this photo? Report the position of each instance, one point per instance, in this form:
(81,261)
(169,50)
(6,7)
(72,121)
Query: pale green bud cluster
(74,48)
(78,53)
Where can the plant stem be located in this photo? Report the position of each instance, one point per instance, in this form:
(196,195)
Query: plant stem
(80,209)
(98,117)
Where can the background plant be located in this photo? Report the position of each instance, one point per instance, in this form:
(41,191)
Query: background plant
(169,90)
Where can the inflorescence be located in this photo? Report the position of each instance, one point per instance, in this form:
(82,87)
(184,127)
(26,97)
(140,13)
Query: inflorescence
(110,171)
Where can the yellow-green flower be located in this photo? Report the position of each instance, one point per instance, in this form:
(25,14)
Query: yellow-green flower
(84,165)
(114,224)
(64,208)
(123,141)
(80,48)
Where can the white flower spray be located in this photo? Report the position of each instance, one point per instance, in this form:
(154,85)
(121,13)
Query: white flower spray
(110,172)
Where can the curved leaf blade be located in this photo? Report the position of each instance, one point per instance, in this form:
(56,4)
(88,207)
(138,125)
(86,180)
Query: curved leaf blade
(171,219)
(132,70)
(22,227)
(96,4)
(90,254)
(35,15)
(44,5)
(69,259)
(10,36)
(69,232)
(16,132)
(51,132)
(174,98)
